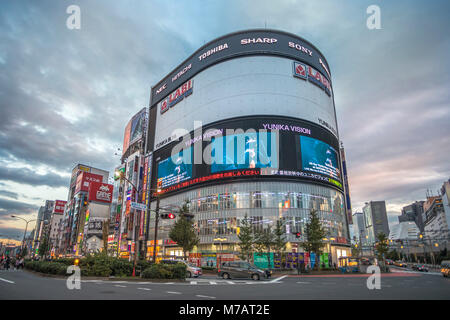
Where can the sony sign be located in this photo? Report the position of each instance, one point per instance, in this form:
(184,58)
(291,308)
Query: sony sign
(176,96)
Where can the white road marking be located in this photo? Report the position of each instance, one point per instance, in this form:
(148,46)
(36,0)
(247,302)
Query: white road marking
(213,282)
(147,289)
(304,282)
(118,285)
(193,282)
(7,280)
(173,292)
(277,279)
(230,282)
(200,296)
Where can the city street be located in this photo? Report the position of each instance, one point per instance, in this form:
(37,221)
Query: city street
(400,284)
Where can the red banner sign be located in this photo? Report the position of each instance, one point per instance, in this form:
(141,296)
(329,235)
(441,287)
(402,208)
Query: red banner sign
(100,192)
(84,179)
(59,206)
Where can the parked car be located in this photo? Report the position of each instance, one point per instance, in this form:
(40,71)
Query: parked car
(445,268)
(241,269)
(191,270)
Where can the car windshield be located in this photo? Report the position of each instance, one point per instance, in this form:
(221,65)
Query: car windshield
(248,265)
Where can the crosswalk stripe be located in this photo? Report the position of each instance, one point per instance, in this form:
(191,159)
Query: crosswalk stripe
(9,281)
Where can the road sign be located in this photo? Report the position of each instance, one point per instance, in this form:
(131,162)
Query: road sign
(138,206)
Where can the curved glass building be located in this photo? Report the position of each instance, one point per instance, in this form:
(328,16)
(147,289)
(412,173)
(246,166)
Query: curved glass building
(247,126)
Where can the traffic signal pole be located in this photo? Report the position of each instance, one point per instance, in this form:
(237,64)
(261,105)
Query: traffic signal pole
(156,228)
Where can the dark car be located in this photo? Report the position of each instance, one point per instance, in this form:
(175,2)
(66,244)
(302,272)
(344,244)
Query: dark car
(389,262)
(422,268)
(241,269)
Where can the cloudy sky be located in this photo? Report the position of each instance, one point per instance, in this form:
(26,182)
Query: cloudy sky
(66,95)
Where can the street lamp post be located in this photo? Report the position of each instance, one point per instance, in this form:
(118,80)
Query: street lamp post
(220,240)
(26,227)
(121,175)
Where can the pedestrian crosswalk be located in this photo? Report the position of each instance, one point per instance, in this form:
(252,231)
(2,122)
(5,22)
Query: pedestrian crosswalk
(188,282)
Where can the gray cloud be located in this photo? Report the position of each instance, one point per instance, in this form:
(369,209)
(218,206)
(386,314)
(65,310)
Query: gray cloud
(8,207)
(26,176)
(66,95)
(9,194)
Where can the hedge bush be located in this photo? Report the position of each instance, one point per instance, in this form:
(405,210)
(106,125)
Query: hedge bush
(99,265)
(165,271)
(47,267)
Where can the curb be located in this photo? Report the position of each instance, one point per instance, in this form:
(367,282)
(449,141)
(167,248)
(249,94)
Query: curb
(46,275)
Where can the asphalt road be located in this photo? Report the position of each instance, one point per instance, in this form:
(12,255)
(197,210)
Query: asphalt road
(400,284)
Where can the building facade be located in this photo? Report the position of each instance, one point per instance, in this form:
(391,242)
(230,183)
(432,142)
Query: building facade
(43,223)
(128,230)
(246,126)
(413,212)
(73,221)
(406,230)
(375,220)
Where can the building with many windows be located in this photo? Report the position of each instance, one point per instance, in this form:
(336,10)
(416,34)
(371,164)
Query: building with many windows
(246,126)
(375,220)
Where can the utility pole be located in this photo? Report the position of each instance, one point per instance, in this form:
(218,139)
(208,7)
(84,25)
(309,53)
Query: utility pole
(156,228)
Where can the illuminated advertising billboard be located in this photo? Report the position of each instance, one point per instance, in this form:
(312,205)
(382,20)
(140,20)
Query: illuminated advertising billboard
(244,151)
(138,123)
(319,157)
(126,137)
(250,148)
(175,169)
(135,129)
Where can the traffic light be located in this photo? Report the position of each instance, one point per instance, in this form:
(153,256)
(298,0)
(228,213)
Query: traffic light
(167,215)
(297,234)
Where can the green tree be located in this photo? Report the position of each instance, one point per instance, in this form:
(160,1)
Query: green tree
(279,244)
(183,232)
(43,246)
(315,233)
(246,239)
(105,232)
(356,250)
(264,241)
(382,246)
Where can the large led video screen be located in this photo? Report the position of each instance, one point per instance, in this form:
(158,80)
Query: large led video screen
(175,169)
(254,147)
(319,157)
(245,150)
